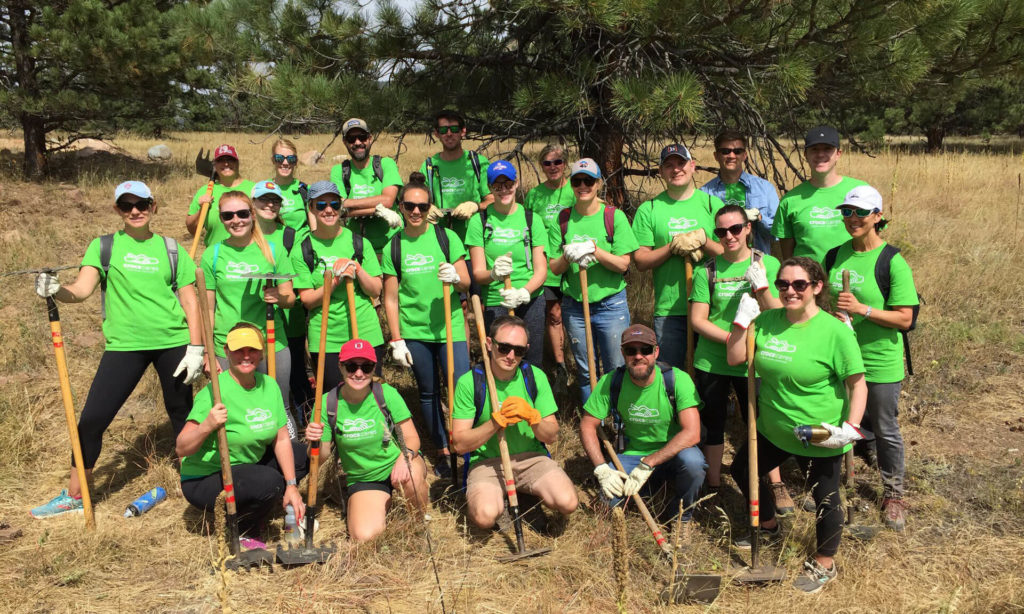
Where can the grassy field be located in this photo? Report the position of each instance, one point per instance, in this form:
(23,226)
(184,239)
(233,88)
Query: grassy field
(956,216)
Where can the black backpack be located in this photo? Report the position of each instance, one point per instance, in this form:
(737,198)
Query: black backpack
(309,256)
(480,397)
(378,395)
(474,160)
(488,231)
(346,173)
(396,249)
(107,245)
(668,377)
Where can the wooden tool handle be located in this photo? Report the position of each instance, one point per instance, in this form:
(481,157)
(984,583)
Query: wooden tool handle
(203,212)
(637,499)
(446,289)
(690,339)
(591,361)
(314,449)
(350,295)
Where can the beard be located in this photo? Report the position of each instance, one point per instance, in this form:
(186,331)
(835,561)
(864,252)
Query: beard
(640,372)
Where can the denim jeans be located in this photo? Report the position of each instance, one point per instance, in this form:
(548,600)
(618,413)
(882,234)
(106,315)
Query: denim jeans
(428,365)
(532,314)
(684,474)
(671,334)
(609,317)
(882,412)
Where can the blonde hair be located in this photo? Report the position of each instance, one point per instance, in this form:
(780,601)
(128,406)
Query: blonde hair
(257,234)
(550,148)
(285,143)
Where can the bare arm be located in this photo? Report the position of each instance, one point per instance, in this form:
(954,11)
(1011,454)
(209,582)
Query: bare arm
(558,265)
(689,419)
(610,261)
(412,438)
(80,289)
(736,346)
(465,438)
(360,207)
(540,269)
(857,392)
(391,306)
(895,317)
(651,257)
(190,304)
(546,431)
(463,271)
(591,442)
(478,261)
(766,301)
(371,285)
(703,326)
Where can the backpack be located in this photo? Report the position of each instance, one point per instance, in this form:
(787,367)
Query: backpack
(668,377)
(346,173)
(711,267)
(107,245)
(609,222)
(474,160)
(884,282)
(309,256)
(378,396)
(488,230)
(480,396)
(396,249)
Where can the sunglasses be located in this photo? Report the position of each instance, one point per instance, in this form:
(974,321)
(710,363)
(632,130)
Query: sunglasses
(272,201)
(323,204)
(636,350)
(504,348)
(227,216)
(798,284)
(142,205)
(410,206)
(355,138)
(353,366)
(553,162)
(733,230)
(448,129)
(224,159)
(849,211)
(281,158)
(502,186)
(725,151)
(578,180)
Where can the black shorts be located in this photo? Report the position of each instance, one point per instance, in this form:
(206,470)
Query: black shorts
(552,294)
(381,485)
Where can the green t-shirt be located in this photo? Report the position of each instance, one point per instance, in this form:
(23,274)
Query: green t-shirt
(293,208)
(809,216)
(254,418)
(519,435)
(420,296)
(339,329)
(709,355)
(454,183)
(881,346)
(655,223)
(803,369)
(735,194)
(294,318)
(239,298)
(507,234)
(648,418)
(365,184)
(215,230)
(360,433)
(142,312)
(547,203)
(601,282)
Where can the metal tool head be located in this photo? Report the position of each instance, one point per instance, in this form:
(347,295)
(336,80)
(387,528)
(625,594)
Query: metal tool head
(52,269)
(525,554)
(760,575)
(861,532)
(268,276)
(204,165)
(696,588)
(294,556)
(251,559)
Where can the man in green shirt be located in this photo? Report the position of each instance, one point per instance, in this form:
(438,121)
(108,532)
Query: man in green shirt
(527,416)
(658,437)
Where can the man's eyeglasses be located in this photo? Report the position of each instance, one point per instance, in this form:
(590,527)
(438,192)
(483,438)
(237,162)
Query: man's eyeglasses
(636,350)
(725,151)
(504,348)
(448,129)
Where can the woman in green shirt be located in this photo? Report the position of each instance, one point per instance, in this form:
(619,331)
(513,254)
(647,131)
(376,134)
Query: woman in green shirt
(227,178)
(285,159)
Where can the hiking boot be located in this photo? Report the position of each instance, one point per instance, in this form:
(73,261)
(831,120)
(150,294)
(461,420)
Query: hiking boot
(784,505)
(443,467)
(61,504)
(769,537)
(868,452)
(814,578)
(808,505)
(895,514)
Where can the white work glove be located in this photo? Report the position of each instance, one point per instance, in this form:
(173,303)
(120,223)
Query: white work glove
(436,214)
(637,478)
(514,297)
(611,480)
(756,276)
(345,268)
(447,274)
(47,284)
(753,215)
(401,353)
(502,267)
(575,252)
(393,219)
(191,363)
(747,311)
(841,436)
(586,261)
(465,210)
(689,244)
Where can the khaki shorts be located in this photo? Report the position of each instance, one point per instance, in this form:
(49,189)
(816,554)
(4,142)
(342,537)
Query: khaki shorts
(529,468)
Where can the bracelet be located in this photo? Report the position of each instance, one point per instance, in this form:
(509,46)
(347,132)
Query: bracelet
(291,482)
(867,314)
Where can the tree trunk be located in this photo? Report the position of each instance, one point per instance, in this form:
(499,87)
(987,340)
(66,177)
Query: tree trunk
(604,144)
(35,146)
(33,125)
(935,133)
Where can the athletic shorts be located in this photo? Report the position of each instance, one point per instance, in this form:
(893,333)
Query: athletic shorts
(552,294)
(381,485)
(528,468)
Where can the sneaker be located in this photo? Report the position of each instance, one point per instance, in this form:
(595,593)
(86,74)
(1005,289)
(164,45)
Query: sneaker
(814,578)
(769,537)
(895,514)
(784,505)
(61,504)
(443,467)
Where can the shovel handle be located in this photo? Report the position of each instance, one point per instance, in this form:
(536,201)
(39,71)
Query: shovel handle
(449,346)
(314,447)
(508,286)
(753,479)
(589,335)
(271,339)
(350,295)
(637,499)
(689,321)
(203,212)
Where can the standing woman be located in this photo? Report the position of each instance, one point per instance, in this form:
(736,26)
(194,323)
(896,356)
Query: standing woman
(225,163)
(878,317)
(285,159)
(508,241)
(414,305)
(547,200)
(811,373)
(144,323)
(334,245)
(603,243)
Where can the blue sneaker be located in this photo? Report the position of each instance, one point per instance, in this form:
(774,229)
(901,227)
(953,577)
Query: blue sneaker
(61,504)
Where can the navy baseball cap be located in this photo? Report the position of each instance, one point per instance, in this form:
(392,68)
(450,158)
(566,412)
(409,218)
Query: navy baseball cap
(675,149)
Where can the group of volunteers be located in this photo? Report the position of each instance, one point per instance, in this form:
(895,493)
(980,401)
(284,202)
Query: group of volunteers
(543,268)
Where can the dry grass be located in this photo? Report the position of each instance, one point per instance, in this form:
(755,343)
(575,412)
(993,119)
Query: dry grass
(955,216)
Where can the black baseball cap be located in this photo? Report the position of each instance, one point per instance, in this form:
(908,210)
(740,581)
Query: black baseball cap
(821,135)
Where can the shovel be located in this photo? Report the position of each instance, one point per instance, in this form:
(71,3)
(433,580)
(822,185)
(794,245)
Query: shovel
(690,341)
(446,290)
(251,558)
(506,461)
(307,553)
(204,167)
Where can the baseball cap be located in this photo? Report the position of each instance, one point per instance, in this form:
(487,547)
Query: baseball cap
(320,188)
(586,166)
(225,151)
(500,168)
(132,187)
(638,333)
(863,197)
(357,348)
(244,337)
(266,187)
(675,149)
(821,135)
(354,123)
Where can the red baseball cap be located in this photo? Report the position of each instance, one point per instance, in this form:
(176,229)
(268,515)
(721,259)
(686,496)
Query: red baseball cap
(225,151)
(357,348)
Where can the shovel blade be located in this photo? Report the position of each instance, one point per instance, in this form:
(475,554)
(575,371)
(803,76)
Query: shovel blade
(251,559)
(861,532)
(525,554)
(696,588)
(204,165)
(761,575)
(295,556)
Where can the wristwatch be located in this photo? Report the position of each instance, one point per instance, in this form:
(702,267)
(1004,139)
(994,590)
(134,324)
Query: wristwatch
(291,482)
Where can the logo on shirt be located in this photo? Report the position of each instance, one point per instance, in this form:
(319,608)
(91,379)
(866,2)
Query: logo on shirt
(576,238)
(363,191)
(779,345)
(234,270)
(730,288)
(507,235)
(641,411)
(259,419)
(551,211)
(451,185)
(140,262)
(823,215)
(418,263)
(357,428)
(677,225)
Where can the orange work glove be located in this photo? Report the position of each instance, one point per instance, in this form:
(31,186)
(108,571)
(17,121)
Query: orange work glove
(520,408)
(502,419)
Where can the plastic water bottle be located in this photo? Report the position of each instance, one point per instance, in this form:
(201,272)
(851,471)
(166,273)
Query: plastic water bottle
(146,502)
(291,527)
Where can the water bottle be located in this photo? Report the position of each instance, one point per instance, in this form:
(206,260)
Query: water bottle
(146,502)
(291,527)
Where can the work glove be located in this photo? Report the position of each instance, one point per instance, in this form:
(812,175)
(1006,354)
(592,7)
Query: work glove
(841,436)
(191,364)
(747,311)
(465,210)
(514,297)
(393,219)
(401,353)
(586,261)
(689,244)
(436,214)
(637,478)
(575,252)
(756,276)
(447,274)
(753,215)
(345,268)
(47,284)
(502,267)
(520,408)
(611,480)
(503,420)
